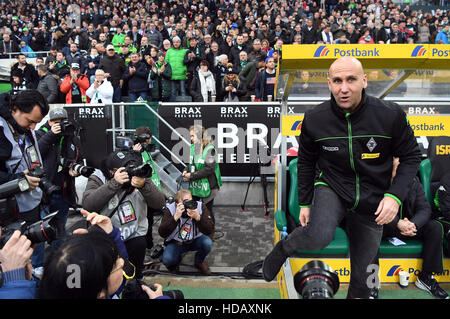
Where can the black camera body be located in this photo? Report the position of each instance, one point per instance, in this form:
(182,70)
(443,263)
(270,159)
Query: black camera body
(188,204)
(142,139)
(47,187)
(144,170)
(67,128)
(133,290)
(38,232)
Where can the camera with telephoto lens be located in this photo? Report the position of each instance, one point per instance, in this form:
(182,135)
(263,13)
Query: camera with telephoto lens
(133,290)
(46,186)
(144,170)
(316,280)
(86,171)
(188,204)
(8,203)
(38,232)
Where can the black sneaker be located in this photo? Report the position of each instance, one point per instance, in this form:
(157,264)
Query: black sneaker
(273,262)
(373,294)
(428,283)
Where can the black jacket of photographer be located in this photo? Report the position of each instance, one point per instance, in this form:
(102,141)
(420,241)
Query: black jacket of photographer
(56,149)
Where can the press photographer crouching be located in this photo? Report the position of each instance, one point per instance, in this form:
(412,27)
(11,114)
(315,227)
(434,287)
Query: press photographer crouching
(122,190)
(61,153)
(20,157)
(186,226)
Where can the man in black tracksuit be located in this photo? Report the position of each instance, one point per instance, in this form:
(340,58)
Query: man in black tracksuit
(350,141)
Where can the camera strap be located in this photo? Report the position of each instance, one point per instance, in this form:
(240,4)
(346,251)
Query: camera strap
(29,152)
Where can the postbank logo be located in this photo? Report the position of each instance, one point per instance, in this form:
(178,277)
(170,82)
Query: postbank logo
(430,125)
(394,270)
(418,51)
(297,126)
(321,51)
(291,125)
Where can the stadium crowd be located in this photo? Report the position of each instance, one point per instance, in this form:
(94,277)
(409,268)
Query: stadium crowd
(171,39)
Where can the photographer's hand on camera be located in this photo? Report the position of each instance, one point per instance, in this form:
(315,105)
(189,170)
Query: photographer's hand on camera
(56,128)
(137,147)
(194,214)
(153,294)
(73,173)
(16,253)
(121,176)
(137,182)
(32,181)
(179,211)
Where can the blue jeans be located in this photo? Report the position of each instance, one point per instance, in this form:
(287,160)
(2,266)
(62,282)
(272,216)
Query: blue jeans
(117,95)
(178,84)
(173,252)
(135,95)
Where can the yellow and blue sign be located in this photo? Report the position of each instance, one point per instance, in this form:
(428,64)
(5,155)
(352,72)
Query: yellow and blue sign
(423,125)
(388,268)
(388,56)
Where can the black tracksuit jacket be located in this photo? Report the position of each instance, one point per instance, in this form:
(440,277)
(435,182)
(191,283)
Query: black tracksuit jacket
(352,153)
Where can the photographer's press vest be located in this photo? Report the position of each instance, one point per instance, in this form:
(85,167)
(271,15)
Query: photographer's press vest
(23,156)
(131,213)
(147,159)
(186,230)
(201,187)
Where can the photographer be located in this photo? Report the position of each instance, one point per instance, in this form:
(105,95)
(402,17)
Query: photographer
(112,192)
(203,172)
(101,90)
(74,85)
(142,144)
(186,226)
(99,253)
(60,150)
(19,153)
(15,282)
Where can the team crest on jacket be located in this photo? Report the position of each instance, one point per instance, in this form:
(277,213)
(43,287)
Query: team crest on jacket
(371,144)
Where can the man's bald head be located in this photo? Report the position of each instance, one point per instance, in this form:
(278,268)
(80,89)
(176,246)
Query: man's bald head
(346,80)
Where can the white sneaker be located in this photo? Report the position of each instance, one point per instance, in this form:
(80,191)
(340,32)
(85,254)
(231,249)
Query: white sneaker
(38,271)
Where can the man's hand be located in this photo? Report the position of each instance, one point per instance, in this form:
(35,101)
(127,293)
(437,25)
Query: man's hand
(121,176)
(407,228)
(137,147)
(179,211)
(137,182)
(104,222)
(56,128)
(186,176)
(33,182)
(304,215)
(73,173)
(386,211)
(194,214)
(153,294)
(16,253)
